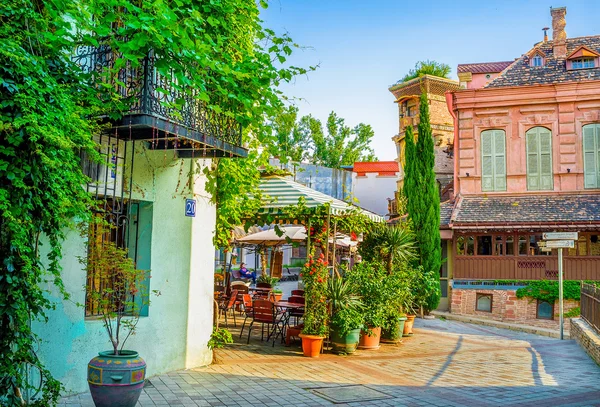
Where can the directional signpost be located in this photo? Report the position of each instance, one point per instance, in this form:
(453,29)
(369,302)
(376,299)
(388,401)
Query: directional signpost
(560,240)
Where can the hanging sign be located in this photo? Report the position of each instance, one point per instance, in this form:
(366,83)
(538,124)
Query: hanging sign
(560,244)
(190,208)
(560,236)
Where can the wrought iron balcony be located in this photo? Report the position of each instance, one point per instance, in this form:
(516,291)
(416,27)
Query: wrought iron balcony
(191,128)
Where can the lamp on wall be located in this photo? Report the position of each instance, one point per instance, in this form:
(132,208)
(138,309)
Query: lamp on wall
(569,170)
(467,174)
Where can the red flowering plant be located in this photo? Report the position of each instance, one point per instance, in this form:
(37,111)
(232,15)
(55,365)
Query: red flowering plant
(315,276)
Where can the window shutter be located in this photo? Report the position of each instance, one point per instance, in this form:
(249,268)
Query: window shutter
(533,175)
(487,173)
(499,161)
(539,159)
(546,173)
(590,153)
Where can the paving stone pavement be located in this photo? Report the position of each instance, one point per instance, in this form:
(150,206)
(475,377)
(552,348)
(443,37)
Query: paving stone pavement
(446,363)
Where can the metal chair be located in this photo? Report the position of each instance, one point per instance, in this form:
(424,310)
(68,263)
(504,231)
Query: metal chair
(265,312)
(227,305)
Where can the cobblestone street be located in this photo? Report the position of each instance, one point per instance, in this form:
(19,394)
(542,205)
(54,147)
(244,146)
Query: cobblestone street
(446,363)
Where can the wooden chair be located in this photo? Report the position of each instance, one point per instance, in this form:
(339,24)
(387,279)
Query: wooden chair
(242,289)
(297,313)
(248,305)
(298,292)
(227,305)
(264,312)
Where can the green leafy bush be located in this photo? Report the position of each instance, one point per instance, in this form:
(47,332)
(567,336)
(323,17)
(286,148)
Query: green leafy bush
(219,338)
(346,306)
(315,276)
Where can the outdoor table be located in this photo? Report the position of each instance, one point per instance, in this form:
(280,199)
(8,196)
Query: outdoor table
(286,307)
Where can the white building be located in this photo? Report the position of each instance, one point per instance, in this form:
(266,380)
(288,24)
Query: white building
(373,183)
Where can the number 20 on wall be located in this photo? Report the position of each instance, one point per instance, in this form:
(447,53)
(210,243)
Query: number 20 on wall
(190,207)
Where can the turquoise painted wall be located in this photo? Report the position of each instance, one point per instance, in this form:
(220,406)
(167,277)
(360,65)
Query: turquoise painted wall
(69,341)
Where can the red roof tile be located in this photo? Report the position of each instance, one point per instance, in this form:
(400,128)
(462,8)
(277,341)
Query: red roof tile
(376,166)
(484,67)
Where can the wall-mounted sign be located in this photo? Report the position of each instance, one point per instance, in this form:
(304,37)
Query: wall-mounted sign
(190,207)
(560,244)
(560,236)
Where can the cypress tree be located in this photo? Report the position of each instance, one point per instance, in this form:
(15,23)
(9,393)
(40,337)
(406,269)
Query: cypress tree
(423,200)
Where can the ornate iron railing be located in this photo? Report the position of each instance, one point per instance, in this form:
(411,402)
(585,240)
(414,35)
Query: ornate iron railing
(147,92)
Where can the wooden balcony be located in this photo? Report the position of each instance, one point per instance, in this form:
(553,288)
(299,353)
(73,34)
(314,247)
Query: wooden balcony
(525,267)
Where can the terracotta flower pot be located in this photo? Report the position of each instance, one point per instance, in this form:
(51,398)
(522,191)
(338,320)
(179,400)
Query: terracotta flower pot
(311,345)
(408,325)
(370,342)
(275,297)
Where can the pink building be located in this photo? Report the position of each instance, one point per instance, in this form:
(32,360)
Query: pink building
(475,76)
(527,162)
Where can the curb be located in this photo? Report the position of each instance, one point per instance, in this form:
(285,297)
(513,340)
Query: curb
(503,325)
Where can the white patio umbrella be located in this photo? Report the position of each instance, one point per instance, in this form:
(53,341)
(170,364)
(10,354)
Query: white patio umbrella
(270,238)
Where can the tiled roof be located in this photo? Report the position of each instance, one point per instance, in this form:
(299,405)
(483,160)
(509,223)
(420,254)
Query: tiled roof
(376,166)
(484,67)
(554,70)
(529,209)
(445,213)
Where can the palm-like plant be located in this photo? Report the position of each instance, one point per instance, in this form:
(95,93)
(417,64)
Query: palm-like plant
(346,306)
(397,243)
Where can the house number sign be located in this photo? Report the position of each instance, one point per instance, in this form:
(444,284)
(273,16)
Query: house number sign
(190,208)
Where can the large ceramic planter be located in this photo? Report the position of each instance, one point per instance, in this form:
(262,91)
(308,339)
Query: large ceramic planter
(345,343)
(394,334)
(116,380)
(370,342)
(408,325)
(311,345)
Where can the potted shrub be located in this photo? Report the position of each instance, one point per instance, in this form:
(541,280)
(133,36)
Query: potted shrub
(422,286)
(397,296)
(315,276)
(346,316)
(368,280)
(276,295)
(116,376)
(266,279)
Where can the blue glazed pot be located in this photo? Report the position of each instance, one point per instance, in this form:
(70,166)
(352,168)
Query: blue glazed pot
(116,380)
(345,343)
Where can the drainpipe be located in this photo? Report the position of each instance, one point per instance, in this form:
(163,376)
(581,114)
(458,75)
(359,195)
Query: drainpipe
(451,109)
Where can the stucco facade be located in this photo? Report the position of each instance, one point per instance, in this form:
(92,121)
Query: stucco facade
(526,163)
(373,186)
(175,333)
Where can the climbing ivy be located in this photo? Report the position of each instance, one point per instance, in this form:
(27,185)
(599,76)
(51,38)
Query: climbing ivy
(545,290)
(215,51)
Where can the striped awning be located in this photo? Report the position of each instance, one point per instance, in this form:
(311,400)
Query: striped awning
(279,192)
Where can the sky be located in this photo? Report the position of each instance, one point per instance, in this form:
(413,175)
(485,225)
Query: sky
(363,47)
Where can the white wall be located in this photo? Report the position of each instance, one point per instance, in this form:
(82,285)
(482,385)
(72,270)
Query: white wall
(175,334)
(372,191)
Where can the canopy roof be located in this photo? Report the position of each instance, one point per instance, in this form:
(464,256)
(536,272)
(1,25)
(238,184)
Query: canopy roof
(270,237)
(279,192)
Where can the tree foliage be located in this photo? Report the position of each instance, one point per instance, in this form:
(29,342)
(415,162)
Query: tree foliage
(306,139)
(428,68)
(422,195)
(215,52)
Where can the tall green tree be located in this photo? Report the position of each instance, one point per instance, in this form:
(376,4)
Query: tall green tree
(428,68)
(423,200)
(291,138)
(341,145)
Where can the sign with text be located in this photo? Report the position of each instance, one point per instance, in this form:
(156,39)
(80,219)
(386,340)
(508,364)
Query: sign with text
(190,207)
(560,236)
(560,244)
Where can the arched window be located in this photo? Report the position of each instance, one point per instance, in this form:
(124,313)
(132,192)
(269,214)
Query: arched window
(483,302)
(493,160)
(539,159)
(591,155)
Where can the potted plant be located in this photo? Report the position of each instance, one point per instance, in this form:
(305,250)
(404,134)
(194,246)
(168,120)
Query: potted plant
(422,286)
(368,280)
(267,279)
(276,295)
(346,316)
(116,376)
(315,276)
(397,295)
